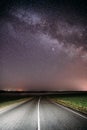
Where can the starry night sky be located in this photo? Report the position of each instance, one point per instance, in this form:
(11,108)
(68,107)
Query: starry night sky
(43,44)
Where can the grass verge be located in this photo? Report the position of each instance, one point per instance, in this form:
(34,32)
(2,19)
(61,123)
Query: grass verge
(78,103)
(7,99)
(7,103)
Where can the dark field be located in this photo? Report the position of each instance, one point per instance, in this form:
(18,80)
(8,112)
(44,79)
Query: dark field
(8,98)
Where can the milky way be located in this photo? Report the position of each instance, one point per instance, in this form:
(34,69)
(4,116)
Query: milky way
(43,46)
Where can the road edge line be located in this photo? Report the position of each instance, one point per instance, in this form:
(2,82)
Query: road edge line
(12,106)
(69,110)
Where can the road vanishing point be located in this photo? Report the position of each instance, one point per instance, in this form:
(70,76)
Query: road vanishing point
(41,114)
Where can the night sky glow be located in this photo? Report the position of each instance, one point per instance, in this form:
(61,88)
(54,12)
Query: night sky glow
(43,45)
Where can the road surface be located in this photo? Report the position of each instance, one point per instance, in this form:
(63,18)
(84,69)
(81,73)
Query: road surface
(41,114)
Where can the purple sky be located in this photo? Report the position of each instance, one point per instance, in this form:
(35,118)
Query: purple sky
(43,49)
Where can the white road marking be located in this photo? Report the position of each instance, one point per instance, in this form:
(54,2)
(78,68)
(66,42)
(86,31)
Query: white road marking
(39,114)
(70,110)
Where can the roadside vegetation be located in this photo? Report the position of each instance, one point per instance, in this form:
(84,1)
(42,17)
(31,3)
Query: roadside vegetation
(78,103)
(8,99)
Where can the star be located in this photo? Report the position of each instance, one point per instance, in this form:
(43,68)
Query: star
(53,49)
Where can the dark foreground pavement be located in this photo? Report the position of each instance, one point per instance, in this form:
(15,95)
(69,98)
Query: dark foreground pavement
(41,114)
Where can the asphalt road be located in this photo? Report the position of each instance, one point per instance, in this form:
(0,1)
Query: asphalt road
(41,114)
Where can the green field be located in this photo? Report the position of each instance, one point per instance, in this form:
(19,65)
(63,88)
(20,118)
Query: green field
(78,103)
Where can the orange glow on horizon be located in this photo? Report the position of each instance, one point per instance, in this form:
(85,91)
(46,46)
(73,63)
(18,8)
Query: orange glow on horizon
(82,85)
(20,89)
